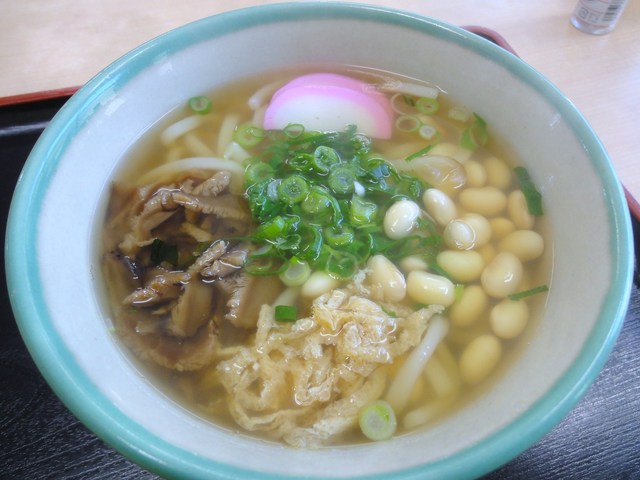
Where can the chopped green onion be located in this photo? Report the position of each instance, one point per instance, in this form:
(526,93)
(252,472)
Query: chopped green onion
(272,229)
(295,273)
(402,104)
(419,153)
(286,313)
(300,162)
(458,290)
(475,135)
(427,105)
(409,100)
(377,420)
(342,180)
(316,196)
(200,104)
(459,114)
(263,265)
(338,235)
(258,172)
(291,242)
(529,293)
(340,264)
(293,130)
(362,212)
(427,132)
(293,189)
(319,204)
(248,135)
(408,123)
(531,193)
(324,158)
(311,242)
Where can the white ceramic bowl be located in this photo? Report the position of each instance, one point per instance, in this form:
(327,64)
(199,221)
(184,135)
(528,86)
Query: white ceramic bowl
(53,256)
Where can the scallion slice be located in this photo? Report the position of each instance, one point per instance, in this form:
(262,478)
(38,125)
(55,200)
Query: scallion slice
(531,193)
(263,266)
(340,264)
(338,235)
(419,153)
(258,172)
(248,135)
(286,313)
(271,229)
(377,420)
(362,212)
(529,293)
(324,159)
(293,130)
(342,180)
(408,123)
(200,104)
(293,189)
(459,114)
(427,105)
(295,273)
(476,135)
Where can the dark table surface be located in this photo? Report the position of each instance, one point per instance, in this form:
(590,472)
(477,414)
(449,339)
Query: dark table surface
(40,439)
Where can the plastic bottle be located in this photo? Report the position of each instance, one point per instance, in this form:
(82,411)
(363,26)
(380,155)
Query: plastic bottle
(597,17)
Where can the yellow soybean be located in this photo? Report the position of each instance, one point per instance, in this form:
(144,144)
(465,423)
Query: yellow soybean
(501,227)
(488,201)
(525,244)
(400,219)
(413,262)
(467,310)
(439,205)
(480,226)
(476,174)
(480,358)
(463,266)
(388,278)
(509,318)
(459,234)
(502,276)
(518,210)
(430,289)
(498,173)
(317,284)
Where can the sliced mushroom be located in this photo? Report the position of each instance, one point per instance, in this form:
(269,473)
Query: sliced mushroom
(148,338)
(210,255)
(158,204)
(212,187)
(249,293)
(186,354)
(161,288)
(228,263)
(222,206)
(193,309)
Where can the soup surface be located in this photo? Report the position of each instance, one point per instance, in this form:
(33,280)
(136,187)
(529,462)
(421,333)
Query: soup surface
(324,257)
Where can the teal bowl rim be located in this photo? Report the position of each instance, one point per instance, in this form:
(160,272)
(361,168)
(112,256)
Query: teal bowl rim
(87,402)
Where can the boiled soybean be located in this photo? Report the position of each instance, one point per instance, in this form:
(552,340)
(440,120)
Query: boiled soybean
(480,358)
(430,289)
(502,276)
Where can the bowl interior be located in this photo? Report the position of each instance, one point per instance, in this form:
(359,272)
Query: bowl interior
(60,203)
